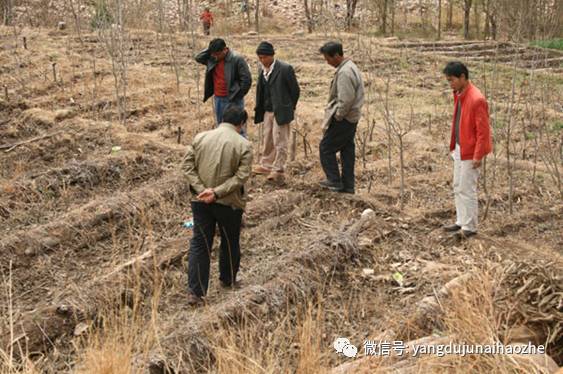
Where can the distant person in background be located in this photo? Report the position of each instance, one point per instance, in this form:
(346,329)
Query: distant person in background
(227,77)
(217,165)
(244,6)
(207,20)
(277,93)
(342,114)
(470,142)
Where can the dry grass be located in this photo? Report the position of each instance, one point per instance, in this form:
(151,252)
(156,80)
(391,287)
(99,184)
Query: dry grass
(110,349)
(294,345)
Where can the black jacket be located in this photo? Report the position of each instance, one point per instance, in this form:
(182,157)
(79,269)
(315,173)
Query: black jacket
(284,91)
(237,74)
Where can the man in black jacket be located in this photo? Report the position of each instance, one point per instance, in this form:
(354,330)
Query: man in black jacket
(227,77)
(277,94)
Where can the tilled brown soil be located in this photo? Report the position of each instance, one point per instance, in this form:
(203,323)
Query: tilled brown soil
(87,228)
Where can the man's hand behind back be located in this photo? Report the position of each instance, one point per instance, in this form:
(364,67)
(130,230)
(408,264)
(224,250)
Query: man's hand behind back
(207,196)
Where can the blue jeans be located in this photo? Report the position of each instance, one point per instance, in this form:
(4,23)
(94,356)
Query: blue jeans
(221,103)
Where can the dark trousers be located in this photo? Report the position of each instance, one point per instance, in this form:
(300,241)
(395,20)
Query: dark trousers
(206,218)
(206,28)
(339,137)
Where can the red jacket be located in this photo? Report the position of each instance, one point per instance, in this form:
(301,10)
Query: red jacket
(475,131)
(206,17)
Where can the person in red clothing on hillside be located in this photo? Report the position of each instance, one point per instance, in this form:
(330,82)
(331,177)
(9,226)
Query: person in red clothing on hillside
(207,20)
(470,143)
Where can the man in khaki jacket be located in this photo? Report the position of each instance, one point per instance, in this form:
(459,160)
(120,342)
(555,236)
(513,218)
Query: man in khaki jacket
(342,114)
(217,165)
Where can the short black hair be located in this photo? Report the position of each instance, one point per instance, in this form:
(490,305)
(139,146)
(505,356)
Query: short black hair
(235,115)
(456,69)
(332,49)
(216,45)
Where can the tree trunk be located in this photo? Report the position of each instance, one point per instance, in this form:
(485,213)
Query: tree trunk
(466,15)
(421,13)
(392,17)
(247,11)
(6,6)
(308,17)
(533,21)
(402,165)
(487,18)
(477,19)
(439,19)
(493,20)
(350,11)
(449,24)
(257,16)
(384,18)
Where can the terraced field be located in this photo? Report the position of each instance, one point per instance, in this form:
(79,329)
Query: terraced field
(91,213)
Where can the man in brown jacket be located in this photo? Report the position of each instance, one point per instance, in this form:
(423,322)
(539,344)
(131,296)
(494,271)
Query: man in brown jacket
(342,114)
(217,165)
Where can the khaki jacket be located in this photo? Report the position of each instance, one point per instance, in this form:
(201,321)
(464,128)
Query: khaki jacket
(346,96)
(220,159)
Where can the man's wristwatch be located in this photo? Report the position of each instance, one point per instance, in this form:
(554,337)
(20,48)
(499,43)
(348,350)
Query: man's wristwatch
(215,194)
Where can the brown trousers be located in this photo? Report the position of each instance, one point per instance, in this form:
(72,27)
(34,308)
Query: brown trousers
(276,138)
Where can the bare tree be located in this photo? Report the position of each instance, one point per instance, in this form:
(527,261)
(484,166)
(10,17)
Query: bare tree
(549,143)
(384,17)
(257,16)
(76,17)
(392,4)
(492,18)
(350,12)
(466,16)
(396,131)
(476,18)
(183,13)
(7,10)
(487,6)
(439,19)
(308,16)
(115,40)
(245,10)
(449,24)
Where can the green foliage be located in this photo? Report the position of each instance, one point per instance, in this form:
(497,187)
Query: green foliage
(549,43)
(102,16)
(499,124)
(557,126)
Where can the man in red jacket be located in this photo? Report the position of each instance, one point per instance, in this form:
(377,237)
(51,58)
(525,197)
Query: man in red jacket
(470,143)
(207,20)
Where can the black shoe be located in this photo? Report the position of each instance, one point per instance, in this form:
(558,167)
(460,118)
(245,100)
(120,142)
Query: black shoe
(230,285)
(467,233)
(464,234)
(452,228)
(336,187)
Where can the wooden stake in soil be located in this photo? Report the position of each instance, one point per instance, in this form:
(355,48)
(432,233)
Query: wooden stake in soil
(305,145)
(260,138)
(24,42)
(180,132)
(293,149)
(6,92)
(54,65)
